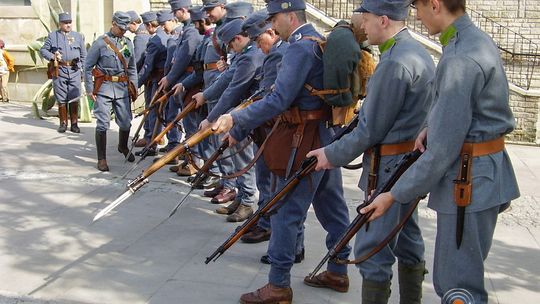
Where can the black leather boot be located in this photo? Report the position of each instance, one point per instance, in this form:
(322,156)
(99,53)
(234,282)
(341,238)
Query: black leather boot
(123,137)
(375,292)
(74,117)
(101,145)
(62,114)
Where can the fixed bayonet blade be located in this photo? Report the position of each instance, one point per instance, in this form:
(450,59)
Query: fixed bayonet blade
(113,205)
(181,202)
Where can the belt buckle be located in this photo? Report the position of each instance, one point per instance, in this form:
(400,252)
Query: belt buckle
(115,78)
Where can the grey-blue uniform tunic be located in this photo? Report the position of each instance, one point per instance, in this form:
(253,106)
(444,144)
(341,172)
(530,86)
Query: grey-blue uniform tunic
(149,76)
(470,105)
(111,94)
(323,189)
(389,116)
(67,86)
(139,43)
(182,59)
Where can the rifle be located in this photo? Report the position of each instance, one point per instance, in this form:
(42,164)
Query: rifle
(271,206)
(361,219)
(155,100)
(142,179)
(202,174)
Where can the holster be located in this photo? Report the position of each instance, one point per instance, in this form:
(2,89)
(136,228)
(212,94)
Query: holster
(52,69)
(99,78)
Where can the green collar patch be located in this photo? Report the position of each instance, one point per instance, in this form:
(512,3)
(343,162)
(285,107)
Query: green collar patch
(447,35)
(387,45)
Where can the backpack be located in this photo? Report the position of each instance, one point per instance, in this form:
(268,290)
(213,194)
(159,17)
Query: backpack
(346,69)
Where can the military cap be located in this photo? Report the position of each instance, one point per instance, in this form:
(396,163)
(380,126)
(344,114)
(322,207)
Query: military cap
(229,30)
(394,9)
(148,17)
(197,13)
(281,6)
(208,4)
(163,16)
(121,19)
(133,15)
(64,17)
(256,24)
(178,4)
(238,9)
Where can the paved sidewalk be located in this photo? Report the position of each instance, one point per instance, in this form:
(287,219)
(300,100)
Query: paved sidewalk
(50,252)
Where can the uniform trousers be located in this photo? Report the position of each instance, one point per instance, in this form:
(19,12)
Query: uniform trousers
(121,108)
(67,87)
(463,268)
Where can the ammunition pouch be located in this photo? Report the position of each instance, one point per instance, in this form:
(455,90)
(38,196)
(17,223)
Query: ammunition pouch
(99,78)
(52,69)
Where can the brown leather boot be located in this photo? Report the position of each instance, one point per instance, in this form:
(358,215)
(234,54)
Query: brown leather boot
(257,235)
(268,294)
(331,280)
(62,114)
(228,209)
(101,145)
(186,170)
(240,214)
(213,192)
(141,143)
(225,195)
(74,117)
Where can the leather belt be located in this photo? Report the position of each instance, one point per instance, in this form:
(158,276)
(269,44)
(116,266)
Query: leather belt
(484,148)
(210,66)
(394,149)
(295,116)
(66,63)
(121,78)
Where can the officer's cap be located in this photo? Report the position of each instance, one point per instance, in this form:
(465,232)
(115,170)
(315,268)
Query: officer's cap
(209,4)
(163,16)
(197,13)
(394,9)
(133,15)
(229,30)
(178,4)
(281,6)
(64,17)
(121,19)
(238,10)
(256,24)
(148,17)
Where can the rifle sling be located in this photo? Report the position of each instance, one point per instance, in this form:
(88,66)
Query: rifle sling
(117,52)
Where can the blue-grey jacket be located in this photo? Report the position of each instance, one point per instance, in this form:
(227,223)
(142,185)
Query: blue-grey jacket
(103,58)
(71,45)
(241,83)
(299,65)
(171,46)
(155,56)
(470,105)
(397,102)
(183,54)
(197,76)
(139,43)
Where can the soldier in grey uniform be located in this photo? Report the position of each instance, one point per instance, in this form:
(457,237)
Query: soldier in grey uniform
(141,35)
(465,129)
(323,189)
(389,121)
(67,50)
(113,92)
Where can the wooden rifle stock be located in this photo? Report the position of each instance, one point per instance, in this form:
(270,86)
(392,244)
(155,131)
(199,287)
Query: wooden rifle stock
(306,167)
(361,219)
(154,103)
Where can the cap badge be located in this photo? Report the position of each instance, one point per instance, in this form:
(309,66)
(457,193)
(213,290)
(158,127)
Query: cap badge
(285,5)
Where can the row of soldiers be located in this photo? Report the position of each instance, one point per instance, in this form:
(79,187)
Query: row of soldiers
(456,113)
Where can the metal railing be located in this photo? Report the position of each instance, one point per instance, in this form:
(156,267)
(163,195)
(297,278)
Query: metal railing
(520,54)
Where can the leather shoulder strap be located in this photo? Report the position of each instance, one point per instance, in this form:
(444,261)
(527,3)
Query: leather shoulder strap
(117,52)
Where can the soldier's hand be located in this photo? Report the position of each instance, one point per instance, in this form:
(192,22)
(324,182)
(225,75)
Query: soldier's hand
(204,124)
(199,99)
(322,161)
(419,142)
(163,83)
(58,56)
(223,124)
(379,205)
(178,88)
(222,64)
(232,140)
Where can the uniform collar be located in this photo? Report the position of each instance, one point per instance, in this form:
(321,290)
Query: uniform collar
(300,31)
(247,48)
(388,44)
(459,25)
(209,32)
